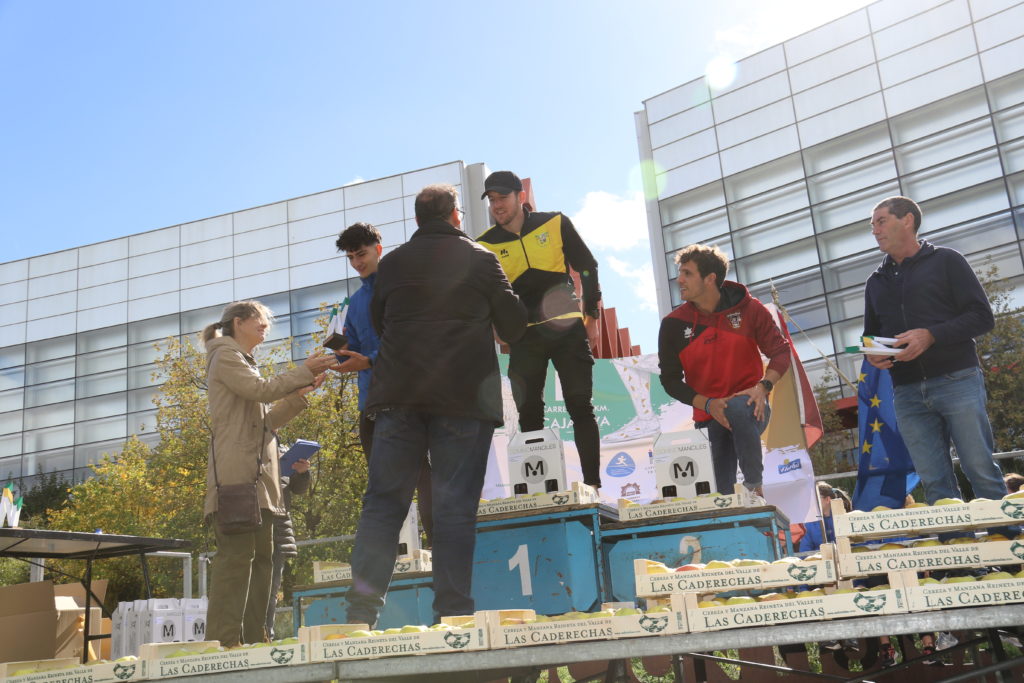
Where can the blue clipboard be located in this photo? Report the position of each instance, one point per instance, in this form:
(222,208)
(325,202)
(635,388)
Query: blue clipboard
(300,450)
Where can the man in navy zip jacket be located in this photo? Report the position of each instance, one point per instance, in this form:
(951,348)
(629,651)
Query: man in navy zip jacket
(929,298)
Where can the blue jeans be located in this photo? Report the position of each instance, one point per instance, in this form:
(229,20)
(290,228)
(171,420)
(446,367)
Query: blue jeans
(740,444)
(458,448)
(949,409)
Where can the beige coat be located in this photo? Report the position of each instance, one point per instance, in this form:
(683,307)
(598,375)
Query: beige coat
(243,422)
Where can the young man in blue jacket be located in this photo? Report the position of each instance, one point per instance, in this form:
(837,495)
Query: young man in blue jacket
(929,298)
(361,243)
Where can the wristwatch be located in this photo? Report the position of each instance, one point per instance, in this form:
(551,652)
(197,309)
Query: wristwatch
(767,384)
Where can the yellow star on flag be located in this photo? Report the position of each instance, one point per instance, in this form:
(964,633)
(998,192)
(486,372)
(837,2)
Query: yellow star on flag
(865,447)
(875,401)
(876,426)
(861,377)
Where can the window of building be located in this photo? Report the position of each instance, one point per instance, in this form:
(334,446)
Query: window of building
(101,361)
(692,203)
(49,349)
(12,355)
(773,233)
(103,383)
(697,229)
(105,338)
(50,371)
(853,208)
(793,256)
(52,392)
(863,173)
(46,439)
(768,205)
(153,329)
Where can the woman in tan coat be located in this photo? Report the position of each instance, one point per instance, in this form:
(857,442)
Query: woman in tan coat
(244,449)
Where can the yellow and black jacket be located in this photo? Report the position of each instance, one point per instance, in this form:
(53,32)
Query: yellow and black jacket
(537,263)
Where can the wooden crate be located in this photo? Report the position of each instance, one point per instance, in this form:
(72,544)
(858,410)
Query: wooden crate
(510,628)
(755,577)
(416,562)
(935,596)
(202,662)
(960,555)
(976,514)
(740,498)
(664,616)
(578,494)
(63,670)
(788,610)
(114,672)
(472,635)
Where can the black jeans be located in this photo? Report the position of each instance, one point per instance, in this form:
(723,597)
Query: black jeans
(424,493)
(569,350)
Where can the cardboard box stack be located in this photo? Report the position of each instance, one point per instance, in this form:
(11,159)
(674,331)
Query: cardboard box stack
(48,619)
(157,620)
(903,544)
(748,592)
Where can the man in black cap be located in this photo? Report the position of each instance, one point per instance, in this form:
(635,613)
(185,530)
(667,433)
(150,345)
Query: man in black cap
(536,250)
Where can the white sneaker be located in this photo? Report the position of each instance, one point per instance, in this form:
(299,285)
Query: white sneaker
(636,429)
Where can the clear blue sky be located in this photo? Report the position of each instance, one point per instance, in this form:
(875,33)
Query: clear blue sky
(119,116)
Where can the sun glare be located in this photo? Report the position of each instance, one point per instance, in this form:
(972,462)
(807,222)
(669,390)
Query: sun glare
(720,72)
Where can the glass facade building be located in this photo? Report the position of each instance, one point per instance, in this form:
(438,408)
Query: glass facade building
(782,168)
(80,329)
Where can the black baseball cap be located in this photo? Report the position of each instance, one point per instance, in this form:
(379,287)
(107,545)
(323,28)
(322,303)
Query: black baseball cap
(502,182)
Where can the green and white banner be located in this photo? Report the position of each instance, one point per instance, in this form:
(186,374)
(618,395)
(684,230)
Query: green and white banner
(631,408)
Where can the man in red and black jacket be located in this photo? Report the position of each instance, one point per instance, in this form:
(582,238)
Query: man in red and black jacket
(709,350)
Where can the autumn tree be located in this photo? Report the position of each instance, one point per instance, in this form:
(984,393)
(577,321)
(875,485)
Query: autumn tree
(1002,359)
(835,438)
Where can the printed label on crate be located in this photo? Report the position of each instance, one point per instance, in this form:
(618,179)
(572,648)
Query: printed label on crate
(399,644)
(649,624)
(580,494)
(965,594)
(814,572)
(228,660)
(932,557)
(977,513)
(75,674)
(111,672)
(548,632)
(836,606)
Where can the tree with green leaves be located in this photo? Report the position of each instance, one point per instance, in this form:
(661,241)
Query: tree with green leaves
(159,491)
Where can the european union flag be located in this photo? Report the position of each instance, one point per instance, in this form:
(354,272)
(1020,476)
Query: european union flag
(886,474)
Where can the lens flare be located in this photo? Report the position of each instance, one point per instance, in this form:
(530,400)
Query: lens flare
(720,72)
(647,177)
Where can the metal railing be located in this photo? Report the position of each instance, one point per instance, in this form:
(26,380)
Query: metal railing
(204,558)
(37,567)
